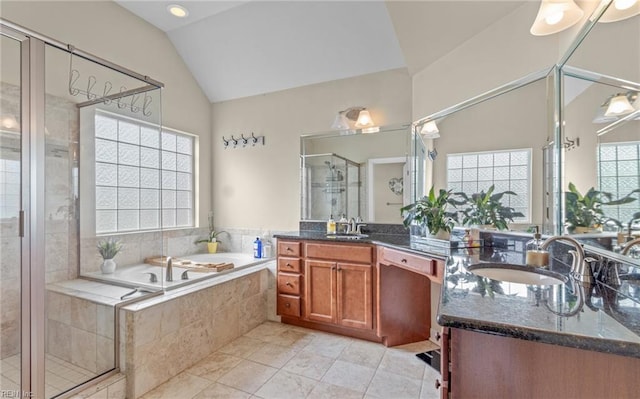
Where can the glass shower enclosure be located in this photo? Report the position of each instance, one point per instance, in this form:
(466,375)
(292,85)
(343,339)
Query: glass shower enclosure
(58,332)
(331,187)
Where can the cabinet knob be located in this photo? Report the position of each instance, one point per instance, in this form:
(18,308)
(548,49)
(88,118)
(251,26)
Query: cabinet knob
(289,249)
(287,305)
(333,268)
(288,284)
(437,384)
(438,336)
(289,265)
(403,260)
(339,269)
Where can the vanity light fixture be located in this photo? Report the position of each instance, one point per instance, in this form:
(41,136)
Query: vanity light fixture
(178,10)
(555,16)
(430,130)
(10,122)
(359,115)
(620,104)
(620,9)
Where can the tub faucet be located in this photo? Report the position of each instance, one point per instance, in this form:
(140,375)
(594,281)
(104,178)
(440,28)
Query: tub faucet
(627,247)
(580,269)
(169,276)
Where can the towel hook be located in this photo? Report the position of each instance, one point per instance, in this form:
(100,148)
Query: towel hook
(120,103)
(91,81)
(105,93)
(145,106)
(225,142)
(254,139)
(245,140)
(235,140)
(134,99)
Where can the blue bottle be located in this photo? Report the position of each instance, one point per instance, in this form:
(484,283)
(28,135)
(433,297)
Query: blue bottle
(257,248)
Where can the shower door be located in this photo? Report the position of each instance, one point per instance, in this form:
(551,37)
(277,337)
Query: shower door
(12,320)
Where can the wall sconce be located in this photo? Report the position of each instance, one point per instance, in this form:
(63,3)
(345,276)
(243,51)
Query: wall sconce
(430,130)
(620,104)
(619,10)
(555,16)
(359,115)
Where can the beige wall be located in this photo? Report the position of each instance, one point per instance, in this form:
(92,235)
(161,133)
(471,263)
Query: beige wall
(259,187)
(107,30)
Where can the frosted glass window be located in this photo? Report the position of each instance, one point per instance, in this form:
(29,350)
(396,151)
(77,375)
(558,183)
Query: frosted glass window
(506,170)
(619,175)
(138,169)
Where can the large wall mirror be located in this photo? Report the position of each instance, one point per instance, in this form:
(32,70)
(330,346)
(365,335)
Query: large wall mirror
(500,139)
(356,174)
(601,116)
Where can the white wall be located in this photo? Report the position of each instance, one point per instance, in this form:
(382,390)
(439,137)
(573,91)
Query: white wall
(107,30)
(259,187)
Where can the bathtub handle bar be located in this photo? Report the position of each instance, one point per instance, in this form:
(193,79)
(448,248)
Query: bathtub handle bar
(152,277)
(129,294)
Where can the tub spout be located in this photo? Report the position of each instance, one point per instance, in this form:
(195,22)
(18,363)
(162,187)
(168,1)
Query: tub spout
(152,277)
(185,275)
(169,276)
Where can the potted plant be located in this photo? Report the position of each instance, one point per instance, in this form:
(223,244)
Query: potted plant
(212,238)
(583,213)
(485,209)
(432,211)
(108,249)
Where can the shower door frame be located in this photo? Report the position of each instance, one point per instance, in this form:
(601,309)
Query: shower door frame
(32,202)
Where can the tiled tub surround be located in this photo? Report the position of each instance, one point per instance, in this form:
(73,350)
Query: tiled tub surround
(164,335)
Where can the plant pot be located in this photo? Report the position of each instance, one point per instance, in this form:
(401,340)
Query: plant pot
(584,230)
(440,235)
(108,266)
(212,247)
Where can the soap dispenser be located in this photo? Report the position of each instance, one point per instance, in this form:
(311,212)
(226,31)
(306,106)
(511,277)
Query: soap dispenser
(331,225)
(536,255)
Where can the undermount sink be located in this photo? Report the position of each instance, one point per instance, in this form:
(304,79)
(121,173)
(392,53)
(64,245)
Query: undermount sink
(347,236)
(517,274)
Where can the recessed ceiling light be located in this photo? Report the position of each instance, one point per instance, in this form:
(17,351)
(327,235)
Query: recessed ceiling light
(178,11)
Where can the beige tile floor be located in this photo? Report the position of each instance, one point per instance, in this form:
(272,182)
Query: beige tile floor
(279,361)
(59,375)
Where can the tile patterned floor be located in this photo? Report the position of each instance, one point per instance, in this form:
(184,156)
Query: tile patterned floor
(285,362)
(59,375)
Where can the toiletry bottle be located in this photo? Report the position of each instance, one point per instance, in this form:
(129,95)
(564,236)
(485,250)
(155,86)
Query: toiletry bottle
(342,224)
(467,240)
(331,225)
(257,248)
(536,255)
(266,250)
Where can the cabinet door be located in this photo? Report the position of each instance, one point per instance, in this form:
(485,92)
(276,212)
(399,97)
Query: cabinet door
(320,284)
(354,301)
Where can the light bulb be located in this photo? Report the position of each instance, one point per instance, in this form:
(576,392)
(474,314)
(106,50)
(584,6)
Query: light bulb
(619,105)
(364,119)
(624,4)
(554,18)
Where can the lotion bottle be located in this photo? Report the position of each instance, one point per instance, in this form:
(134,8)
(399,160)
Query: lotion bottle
(536,256)
(257,248)
(331,225)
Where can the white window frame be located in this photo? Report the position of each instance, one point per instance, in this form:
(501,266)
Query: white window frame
(165,204)
(485,184)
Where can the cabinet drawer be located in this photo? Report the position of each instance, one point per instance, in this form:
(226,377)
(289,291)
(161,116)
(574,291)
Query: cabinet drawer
(289,265)
(289,283)
(351,253)
(288,305)
(406,260)
(288,248)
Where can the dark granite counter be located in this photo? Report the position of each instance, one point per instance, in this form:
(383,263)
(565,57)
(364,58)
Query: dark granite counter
(596,317)
(592,317)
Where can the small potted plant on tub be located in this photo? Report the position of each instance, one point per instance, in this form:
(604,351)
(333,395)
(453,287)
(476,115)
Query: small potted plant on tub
(108,249)
(212,238)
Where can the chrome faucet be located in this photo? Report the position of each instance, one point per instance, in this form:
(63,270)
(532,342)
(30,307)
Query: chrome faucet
(169,276)
(627,246)
(580,269)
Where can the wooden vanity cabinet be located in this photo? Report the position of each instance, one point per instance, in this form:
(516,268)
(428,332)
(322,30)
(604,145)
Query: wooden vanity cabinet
(290,280)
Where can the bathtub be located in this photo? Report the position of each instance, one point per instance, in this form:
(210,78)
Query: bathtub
(139,275)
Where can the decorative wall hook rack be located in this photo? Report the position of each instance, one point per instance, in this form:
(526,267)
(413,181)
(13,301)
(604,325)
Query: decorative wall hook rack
(242,141)
(570,144)
(107,97)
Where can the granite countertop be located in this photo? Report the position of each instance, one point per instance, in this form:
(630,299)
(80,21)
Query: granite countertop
(592,317)
(607,319)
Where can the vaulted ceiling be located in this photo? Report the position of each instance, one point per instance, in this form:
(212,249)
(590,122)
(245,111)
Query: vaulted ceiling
(237,49)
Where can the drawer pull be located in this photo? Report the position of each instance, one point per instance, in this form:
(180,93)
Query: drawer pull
(288,284)
(438,336)
(437,384)
(289,249)
(403,260)
(339,269)
(287,305)
(289,265)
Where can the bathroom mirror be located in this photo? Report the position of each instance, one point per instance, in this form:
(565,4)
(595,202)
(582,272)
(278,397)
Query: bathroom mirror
(499,138)
(354,173)
(601,132)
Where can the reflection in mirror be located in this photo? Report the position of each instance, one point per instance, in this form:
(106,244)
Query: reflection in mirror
(602,171)
(601,112)
(498,140)
(359,175)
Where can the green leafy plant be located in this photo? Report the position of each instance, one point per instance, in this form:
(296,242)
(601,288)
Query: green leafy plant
(432,211)
(109,248)
(213,234)
(586,210)
(485,208)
